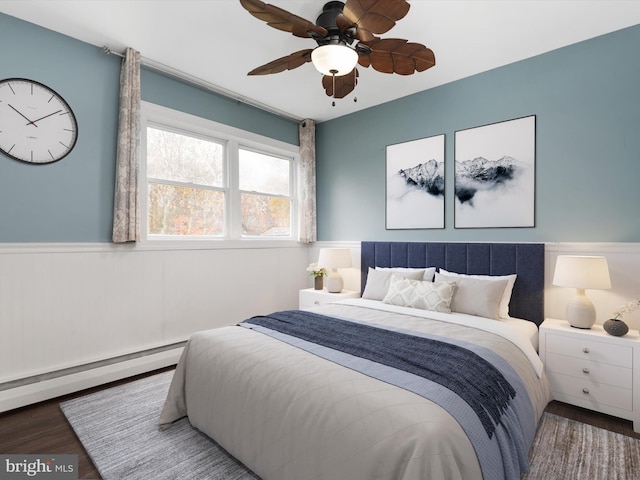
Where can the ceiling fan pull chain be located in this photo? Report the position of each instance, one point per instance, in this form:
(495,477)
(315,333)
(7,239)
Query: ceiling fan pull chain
(333,77)
(355,81)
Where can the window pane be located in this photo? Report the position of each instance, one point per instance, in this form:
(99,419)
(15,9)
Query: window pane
(263,173)
(185,211)
(172,156)
(265,216)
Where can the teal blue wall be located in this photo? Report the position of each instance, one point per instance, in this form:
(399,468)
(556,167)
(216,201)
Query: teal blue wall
(72,200)
(586,98)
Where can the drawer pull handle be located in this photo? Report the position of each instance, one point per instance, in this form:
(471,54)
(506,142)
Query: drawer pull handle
(585,370)
(316,302)
(585,391)
(586,350)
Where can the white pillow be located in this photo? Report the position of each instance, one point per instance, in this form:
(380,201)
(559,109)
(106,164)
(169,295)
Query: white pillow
(506,296)
(435,296)
(427,273)
(476,296)
(378,282)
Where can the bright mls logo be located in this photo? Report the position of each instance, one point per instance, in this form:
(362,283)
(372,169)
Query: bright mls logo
(50,467)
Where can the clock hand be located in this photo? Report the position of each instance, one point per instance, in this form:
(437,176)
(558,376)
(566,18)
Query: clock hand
(19,113)
(34,122)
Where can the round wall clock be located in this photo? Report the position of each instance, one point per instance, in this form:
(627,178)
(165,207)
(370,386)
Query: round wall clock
(36,124)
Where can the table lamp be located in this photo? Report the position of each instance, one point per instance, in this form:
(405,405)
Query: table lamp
(581,272)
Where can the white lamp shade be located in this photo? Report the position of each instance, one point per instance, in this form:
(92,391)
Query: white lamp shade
(582,272)
(332,258)
(335,60)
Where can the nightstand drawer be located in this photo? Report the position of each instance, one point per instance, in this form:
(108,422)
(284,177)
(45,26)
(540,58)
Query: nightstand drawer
(592,392)
(590,350)
(597,372)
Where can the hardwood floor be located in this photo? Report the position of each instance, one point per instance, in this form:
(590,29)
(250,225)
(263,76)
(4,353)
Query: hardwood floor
(43,429)
(600,420)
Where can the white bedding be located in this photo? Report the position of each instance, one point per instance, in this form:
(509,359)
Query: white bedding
(290,415)
(524,328)
(523,333)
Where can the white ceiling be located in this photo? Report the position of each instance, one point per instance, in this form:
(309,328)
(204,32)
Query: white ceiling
(218,42)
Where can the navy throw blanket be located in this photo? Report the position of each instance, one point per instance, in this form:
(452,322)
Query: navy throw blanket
(462,371)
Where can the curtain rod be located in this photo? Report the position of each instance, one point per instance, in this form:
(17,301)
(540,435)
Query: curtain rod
(172,72)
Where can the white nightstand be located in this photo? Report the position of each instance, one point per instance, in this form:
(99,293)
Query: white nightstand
(310,297)
(592,369)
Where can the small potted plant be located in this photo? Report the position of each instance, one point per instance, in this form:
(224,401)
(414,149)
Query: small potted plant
(615,326)
(317,273)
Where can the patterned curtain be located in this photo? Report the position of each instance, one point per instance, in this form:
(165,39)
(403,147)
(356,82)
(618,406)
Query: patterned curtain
(307,229)
(126,223)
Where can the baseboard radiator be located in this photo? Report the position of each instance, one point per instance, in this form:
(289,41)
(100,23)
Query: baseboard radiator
(30,390)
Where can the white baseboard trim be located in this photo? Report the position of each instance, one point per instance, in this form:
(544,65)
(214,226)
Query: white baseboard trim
(55,387)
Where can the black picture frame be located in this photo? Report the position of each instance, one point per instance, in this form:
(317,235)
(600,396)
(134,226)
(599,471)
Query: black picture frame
(495,175)
(415,184)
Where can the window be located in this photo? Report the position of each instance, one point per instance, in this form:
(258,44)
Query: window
(203,180)
(265,198)
(186,184)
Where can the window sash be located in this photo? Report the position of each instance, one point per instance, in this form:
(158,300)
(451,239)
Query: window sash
(194,136)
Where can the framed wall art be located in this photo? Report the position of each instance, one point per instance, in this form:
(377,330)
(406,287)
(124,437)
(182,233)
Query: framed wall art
(495,175)
(415,184)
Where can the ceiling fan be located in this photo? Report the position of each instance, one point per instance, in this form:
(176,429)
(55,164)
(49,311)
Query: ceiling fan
(346,36)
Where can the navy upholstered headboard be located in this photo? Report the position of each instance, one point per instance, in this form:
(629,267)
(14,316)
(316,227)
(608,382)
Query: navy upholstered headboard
(524,259)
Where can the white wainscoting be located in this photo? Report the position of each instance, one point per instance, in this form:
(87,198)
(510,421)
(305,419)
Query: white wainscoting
(63,306)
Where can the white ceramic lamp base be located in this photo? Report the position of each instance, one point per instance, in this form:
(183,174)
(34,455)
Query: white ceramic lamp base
(580,311)
(335,284)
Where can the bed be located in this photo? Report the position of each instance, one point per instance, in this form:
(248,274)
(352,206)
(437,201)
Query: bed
(421,393)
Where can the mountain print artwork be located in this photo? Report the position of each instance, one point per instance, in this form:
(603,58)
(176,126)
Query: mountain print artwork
(494,184)
(428,176)
(415,184)
(483,174)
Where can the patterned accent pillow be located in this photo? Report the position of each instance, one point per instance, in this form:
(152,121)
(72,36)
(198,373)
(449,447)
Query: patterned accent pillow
(434,296)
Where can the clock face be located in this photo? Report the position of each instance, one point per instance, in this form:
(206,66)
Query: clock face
(36,124)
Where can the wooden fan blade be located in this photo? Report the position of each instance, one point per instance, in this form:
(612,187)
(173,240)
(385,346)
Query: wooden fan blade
(345,25)
(285,63)
(396,55)
(374,16)
(280,19)
(344,84)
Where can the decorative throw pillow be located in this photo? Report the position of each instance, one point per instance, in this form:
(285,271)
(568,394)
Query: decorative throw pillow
(476,296)
(427,273)
(506,295)
(378,282)
(435,296)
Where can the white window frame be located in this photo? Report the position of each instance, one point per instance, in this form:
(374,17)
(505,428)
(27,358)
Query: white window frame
(153,115)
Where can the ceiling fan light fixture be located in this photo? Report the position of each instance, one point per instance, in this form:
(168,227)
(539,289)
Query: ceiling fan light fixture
(334,59)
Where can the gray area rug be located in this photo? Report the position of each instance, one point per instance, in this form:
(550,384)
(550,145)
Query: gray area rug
(119,429)
(568,450)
